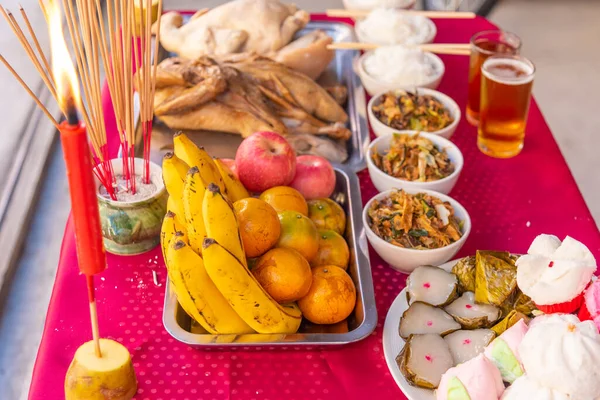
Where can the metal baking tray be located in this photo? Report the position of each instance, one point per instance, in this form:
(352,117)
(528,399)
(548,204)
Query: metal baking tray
(224,145)
(360,323)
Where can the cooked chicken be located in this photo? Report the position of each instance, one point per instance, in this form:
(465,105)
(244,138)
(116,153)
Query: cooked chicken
(238,97)
(307,54)
(241,25)
(183,88)
(335,151)
(292,86)
(262,26)
(339,93)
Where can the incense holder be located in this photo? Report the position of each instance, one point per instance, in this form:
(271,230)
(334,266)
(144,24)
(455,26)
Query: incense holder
(131,225)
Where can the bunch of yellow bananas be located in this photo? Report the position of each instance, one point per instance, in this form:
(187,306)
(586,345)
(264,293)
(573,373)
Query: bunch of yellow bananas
(204,253)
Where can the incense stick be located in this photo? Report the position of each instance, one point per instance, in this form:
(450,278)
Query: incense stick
(18,32)
(116,48)
(35,40)
(35,98)
(93,315)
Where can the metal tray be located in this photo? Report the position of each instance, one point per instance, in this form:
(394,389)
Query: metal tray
(360,323)
(224,145)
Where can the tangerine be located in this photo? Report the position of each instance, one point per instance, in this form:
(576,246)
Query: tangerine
(259,225)
(285,198)
(298,233)
(331,298)
(333,250)
(327,214)
(284,274)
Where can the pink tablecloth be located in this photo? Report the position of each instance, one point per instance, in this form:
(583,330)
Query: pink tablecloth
(510,201)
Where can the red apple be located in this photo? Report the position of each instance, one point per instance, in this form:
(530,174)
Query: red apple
(315,177)
(231,165)
(265,160)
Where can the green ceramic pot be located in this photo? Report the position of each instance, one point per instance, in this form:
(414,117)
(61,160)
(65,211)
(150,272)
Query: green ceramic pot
(131,228)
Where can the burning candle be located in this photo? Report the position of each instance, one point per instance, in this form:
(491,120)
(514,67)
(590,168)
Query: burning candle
(84,204)
(86,217)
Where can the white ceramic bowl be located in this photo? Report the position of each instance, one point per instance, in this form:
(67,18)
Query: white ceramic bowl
(363,36)
(381,129)
(406,260)
(402,5)
(375,86)
(383,181)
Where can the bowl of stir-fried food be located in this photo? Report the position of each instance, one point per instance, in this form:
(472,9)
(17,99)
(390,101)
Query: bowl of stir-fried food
(414,160)
(421,109)
(409,228)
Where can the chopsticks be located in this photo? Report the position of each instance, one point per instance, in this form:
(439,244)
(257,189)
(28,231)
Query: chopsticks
(429,14)
(461,49)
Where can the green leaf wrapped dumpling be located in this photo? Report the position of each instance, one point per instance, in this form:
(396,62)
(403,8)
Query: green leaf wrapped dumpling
(464,270)
(495,277)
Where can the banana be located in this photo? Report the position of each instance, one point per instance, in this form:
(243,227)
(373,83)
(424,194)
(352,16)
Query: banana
(198,295)
(193,196)
(235,189)
(172,206)
(167,231)
(196,156)
(221,224)
(171,231)
(244,293)
(174,171)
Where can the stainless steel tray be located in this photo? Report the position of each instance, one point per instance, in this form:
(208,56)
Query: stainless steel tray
(360,324)
(220,144)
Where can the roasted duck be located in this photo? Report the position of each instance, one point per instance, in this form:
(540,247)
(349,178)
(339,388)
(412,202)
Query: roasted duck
(244,95)
(266,27)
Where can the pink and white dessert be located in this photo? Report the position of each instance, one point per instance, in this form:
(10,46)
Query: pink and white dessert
(476,379)
(554,274)
(529,389)
(590,309)
(504,352)
(562,354)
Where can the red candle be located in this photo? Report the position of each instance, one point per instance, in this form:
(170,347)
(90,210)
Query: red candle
(84,204)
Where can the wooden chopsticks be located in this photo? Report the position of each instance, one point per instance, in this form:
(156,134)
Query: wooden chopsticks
(438,48)
(429,14)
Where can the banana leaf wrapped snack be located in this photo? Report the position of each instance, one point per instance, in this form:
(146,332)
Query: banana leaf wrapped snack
(512,318)
(495,277)
(464,270)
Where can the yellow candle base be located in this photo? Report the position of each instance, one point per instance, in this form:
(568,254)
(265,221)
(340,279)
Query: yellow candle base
(110,377)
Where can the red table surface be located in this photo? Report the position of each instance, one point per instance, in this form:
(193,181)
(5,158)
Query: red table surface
(510,202)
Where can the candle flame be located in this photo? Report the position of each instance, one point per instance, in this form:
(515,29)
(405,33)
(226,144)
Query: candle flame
(63,70)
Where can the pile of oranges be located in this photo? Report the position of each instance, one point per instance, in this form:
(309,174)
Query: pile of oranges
(297,252)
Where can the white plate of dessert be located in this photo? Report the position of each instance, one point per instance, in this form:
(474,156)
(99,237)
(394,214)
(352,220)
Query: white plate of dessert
(472,328)
(393,344)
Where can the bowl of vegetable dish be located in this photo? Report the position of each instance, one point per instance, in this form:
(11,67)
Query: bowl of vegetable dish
(409,228)
(414,160)
(421,109)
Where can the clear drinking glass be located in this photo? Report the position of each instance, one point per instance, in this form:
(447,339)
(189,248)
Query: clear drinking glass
(483,45)
(506,83)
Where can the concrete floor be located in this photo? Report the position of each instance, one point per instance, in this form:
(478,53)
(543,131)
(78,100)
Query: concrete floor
(560,36)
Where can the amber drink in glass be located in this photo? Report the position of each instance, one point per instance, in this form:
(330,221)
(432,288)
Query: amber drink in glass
(506,83)
(483,45)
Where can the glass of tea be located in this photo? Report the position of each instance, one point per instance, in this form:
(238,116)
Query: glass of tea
(506,83)
(483,45)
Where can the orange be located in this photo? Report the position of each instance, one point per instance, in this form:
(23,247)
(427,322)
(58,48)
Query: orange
(331,297)
(327,214)
(333,250)
(298,233)
(284,274)
(285,198)
(259,225)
